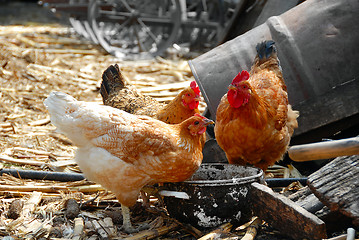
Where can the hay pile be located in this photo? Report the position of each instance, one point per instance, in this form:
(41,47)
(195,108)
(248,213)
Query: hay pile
(34,61)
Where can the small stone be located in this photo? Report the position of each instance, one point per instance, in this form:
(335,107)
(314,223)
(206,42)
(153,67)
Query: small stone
(72,209)
(15,209)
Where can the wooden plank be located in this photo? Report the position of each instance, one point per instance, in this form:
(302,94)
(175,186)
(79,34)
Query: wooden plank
(335,105)
(334,220)
(285,215)
(337,186)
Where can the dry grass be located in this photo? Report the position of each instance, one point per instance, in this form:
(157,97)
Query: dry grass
(33,62)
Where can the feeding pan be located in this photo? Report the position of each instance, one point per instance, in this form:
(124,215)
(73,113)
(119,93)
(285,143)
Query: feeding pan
(218,193)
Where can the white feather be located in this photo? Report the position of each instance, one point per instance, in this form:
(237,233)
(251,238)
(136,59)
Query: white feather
(77,119)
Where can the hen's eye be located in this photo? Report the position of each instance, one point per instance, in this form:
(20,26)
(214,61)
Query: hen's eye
(188,94)
(196,122)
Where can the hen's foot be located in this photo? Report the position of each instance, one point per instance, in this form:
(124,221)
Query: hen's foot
(127,225)
(130,229)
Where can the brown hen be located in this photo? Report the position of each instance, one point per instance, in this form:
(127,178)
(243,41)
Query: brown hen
(254,121)
(116,93)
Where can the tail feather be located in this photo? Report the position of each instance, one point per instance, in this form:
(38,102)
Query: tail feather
(112,81)
(71,117)
(57,103)
(266,49)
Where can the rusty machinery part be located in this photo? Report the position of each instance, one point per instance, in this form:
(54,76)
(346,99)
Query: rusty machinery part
(135,29)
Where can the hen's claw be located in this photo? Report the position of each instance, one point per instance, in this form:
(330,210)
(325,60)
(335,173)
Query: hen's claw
(131,229)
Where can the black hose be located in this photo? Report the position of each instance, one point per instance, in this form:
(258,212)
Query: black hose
(284,182)
(44,175)
(71,177)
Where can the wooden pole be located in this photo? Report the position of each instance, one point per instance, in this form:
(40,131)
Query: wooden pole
(324,150)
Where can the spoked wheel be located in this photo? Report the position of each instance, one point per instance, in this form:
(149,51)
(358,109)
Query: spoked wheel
(79,28)
(135,29)
(78,19)
(207,22)
(83,28)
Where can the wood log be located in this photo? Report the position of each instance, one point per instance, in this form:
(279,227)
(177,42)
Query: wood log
(337,186)
(31,204)
(334,220)
(307,200)
(78,228)
(103,234)
(155,233)
(48,188)
(324,150)
(110,227)
(216,234)
(252,230)
(285,215)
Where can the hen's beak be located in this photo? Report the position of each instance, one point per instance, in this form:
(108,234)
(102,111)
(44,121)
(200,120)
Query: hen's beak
(208,121)
(198,98)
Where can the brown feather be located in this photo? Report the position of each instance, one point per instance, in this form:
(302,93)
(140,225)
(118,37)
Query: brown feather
(116,93)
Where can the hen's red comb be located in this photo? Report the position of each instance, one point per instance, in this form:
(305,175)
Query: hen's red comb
(199,115)
(242,76)
(195,88)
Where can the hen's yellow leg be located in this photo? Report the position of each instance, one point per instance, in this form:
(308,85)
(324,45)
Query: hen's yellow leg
(127,225)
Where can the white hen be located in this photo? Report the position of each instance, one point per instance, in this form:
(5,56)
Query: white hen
(124,152)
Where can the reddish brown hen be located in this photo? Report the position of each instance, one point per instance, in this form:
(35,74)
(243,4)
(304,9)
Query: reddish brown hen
(116,93)
(254,121)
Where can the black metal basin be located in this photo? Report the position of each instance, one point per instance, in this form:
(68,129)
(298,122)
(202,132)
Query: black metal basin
(218,193)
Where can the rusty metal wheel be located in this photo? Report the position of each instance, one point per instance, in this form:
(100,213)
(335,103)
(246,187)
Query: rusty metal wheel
(78,19)
(135,29)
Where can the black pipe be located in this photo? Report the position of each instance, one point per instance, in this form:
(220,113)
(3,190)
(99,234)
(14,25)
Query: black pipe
(44,175)
(71,177)
(284,182)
